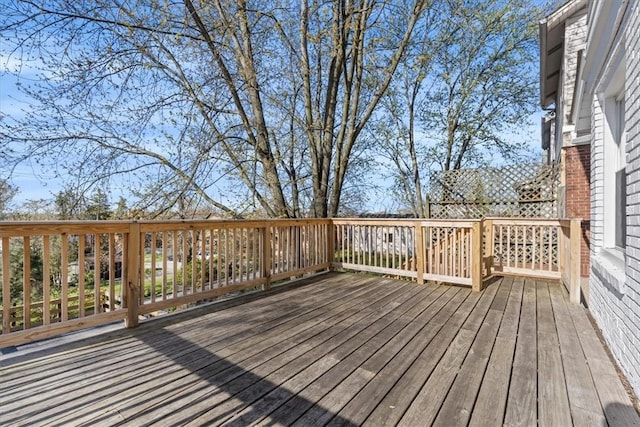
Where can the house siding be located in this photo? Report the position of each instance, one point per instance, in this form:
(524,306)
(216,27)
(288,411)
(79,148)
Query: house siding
(615,300)
(575,35)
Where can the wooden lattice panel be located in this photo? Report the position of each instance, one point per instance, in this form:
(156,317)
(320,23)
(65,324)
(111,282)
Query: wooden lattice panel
(524,191)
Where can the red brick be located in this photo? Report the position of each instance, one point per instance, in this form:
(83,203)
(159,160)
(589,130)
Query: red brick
(577,180)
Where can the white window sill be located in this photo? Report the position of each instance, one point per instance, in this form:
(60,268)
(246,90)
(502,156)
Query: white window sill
(609,265)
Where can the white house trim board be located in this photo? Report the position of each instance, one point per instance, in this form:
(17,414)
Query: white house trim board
(603,35)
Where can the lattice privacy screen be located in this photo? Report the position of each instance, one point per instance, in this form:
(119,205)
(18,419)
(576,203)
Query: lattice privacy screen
(525,191)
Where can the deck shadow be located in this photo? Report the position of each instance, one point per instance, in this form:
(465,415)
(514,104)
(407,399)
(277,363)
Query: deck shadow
(231,383)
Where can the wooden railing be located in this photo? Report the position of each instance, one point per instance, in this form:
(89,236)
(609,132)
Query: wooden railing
(61,276)
(142,267)
(435,250)
(544,248)
(16,313)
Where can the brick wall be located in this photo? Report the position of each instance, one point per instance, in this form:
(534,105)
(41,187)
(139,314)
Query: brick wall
(577,178)
(615,295)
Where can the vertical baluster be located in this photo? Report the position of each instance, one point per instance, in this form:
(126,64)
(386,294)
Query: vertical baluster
(97,257)
(203,259)
(26,282)
(211,263)
(234,255)
(225,266)
(550,248)
(175,251)
(46,280)
(541,230)
(534,248)
(64,268)
(184,259)
(164,266)
(254,248)
(6,285)
(501,240)
(152,268)
(508,246)
(81,274)
(218,252)
(193,259)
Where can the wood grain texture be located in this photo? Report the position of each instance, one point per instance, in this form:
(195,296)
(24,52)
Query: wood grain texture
(338,350)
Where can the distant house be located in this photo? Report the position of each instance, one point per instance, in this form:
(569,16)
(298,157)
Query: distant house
(388,240)
(590,78)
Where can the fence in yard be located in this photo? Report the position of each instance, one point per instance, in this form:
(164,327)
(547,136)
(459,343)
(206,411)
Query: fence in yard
(519,191)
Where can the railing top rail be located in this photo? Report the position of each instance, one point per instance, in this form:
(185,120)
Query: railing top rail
(57,227)
(406,221)
(525,221)
(403,222)
(146,226)
(48,228)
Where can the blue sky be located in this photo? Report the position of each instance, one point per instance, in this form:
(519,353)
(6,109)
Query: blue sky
(34,183)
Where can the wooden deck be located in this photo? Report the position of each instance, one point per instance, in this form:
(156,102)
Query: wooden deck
(342,349)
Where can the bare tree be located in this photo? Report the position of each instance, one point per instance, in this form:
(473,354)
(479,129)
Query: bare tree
(470,82)
(243,105)
(7,193)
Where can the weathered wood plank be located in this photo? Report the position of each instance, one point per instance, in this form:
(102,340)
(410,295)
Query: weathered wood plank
(225,327)
(583,397)
(224,370)
(522,398)
(161,368)
(234,385)
(424,407)
(335,396)
(293,391)
(398,399)
(618,408)
(553,403)
(460,400)
(347,350)
(458,404)
(366,400)
(491,402)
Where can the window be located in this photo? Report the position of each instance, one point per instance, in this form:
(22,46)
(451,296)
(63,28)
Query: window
(621,176)
(615,173)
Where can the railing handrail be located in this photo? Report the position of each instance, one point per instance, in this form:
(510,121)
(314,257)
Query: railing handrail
(237,254)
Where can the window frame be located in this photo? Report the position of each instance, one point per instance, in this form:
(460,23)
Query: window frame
(615,173)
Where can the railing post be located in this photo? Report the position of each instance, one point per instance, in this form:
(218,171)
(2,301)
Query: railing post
(133,275)
(574,279)
(419,252)
(266,257)
(488,245)
(331,244)
(563,232)
(476,256)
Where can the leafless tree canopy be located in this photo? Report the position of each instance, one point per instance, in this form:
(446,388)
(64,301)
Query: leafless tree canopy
(235,106)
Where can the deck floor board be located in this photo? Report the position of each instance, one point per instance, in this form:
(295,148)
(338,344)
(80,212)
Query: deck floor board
(337,349)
